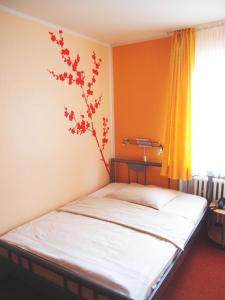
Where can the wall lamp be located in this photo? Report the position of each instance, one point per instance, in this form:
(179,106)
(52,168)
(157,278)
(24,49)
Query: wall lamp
(143,143)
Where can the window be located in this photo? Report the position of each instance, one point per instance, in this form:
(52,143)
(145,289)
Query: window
(208,103)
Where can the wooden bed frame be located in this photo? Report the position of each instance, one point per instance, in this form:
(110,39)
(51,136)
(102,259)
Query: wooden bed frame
(60,283)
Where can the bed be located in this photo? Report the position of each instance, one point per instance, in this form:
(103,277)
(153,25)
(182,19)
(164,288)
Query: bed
(88,249)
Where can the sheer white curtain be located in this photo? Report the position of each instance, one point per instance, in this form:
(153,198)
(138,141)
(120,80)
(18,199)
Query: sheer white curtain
(208,103)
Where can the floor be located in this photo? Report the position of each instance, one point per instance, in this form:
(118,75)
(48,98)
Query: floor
(202,274)
(200,277)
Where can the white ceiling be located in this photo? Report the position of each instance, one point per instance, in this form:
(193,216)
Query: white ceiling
(121,21)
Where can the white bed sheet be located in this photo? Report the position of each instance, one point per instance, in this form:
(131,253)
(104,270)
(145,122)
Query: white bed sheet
(101,251)
(173,228)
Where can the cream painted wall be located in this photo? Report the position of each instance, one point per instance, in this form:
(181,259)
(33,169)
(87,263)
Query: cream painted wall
(42,166)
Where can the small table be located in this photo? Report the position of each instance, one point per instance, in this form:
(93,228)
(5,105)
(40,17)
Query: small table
(216,225)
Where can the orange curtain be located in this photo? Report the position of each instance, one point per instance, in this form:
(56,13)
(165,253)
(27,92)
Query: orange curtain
(176,161)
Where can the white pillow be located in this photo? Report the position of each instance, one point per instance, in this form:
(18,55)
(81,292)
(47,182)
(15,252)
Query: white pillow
(151,196)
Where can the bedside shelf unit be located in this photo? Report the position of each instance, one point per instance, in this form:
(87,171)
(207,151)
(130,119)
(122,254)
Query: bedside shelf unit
(216,225)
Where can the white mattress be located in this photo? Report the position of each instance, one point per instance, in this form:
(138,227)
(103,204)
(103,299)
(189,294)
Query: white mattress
(106,252)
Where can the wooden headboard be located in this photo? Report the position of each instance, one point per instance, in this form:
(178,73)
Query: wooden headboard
(136,166)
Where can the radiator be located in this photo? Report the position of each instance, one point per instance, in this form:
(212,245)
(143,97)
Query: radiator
(218,188)
(213,189)
(200,185)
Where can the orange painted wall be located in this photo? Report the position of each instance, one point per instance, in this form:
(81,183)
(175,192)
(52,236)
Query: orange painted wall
(140,82)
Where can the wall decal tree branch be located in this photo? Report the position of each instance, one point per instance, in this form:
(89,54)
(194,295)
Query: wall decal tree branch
(85,121)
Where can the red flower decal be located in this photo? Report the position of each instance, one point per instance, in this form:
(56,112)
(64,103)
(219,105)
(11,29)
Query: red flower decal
(85,123)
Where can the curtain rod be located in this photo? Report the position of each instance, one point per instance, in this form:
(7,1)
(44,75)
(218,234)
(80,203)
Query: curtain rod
(200,27)
(210,25)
